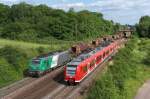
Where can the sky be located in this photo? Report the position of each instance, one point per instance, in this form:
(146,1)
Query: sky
(121,11)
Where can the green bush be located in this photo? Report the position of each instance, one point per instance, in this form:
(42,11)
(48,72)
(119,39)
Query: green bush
(41,50)
(12,55)
(13,63)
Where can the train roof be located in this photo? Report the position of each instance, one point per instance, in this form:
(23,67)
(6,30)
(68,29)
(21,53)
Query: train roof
(50,54)
(82,57)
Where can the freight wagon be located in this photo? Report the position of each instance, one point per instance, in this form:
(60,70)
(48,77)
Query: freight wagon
(45,63)
(79,48)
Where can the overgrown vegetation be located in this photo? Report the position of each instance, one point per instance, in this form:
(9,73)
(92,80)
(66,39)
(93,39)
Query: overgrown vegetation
(13,62)
(143,28)
(43,24)
(125,76)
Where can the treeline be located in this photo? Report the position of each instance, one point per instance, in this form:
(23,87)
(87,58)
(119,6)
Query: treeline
(31,23)
(143,28)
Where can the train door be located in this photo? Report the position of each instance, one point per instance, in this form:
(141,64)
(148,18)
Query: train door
(104,54)
(88,67)
(85,69)
(98,59)
(46,64)
(92,64)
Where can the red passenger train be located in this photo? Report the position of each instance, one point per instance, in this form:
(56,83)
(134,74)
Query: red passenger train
(84,64)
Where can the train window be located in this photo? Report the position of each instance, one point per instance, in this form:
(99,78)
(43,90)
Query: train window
(92,63)
(111,49)
(100,57)
(107,52)
(104,54)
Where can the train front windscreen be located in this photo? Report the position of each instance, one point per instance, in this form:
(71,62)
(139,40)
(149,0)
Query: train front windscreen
(35,65)
(71,70)
(36,62)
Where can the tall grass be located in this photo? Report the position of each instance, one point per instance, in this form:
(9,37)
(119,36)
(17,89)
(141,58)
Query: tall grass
(4,42)
(27,45)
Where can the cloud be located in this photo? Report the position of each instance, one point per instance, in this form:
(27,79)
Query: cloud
(106,4)
(66,6)
(13,1)
(123,11)
(10,2)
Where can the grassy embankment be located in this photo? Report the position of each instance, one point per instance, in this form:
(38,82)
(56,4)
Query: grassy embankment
(14,57)
(130,69)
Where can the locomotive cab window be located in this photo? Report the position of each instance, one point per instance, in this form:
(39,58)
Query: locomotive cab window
(35,62)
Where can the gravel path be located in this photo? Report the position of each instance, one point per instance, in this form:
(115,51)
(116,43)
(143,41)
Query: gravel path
(144,91)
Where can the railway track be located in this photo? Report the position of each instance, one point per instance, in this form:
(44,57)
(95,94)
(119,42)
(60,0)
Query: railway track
(75,92)
(15,86)
(52,86)
(38,88)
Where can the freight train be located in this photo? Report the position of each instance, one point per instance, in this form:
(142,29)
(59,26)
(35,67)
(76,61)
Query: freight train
(42,64)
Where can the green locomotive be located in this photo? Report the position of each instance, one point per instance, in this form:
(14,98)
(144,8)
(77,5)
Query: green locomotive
(43,64)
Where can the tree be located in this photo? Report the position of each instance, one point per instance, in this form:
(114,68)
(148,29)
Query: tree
(143,28)
(42,22)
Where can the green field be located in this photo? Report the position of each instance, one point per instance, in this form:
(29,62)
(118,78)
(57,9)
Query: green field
(57,45)
(4,42)
(130,69)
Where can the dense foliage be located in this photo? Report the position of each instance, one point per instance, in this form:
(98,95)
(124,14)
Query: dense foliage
(14,62)
(143,28)
(31,23)
(128,71)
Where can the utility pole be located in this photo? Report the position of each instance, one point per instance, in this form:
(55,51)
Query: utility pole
(76,30)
